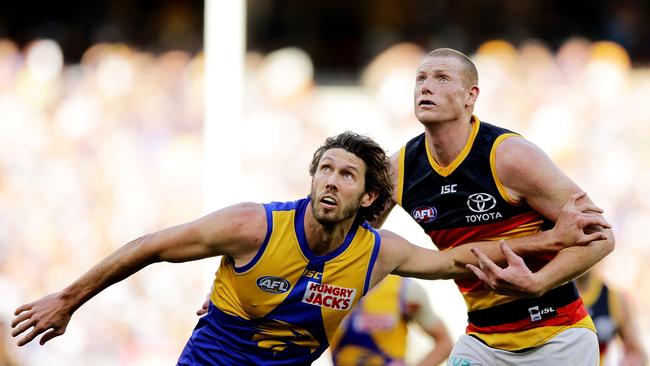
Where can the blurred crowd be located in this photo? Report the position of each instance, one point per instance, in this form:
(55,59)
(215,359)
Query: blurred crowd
(98,153)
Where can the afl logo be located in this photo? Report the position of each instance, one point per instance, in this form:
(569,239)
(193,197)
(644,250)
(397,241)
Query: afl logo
(481,202)
(273,285)
(424,214)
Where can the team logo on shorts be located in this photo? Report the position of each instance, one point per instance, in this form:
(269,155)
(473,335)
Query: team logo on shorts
(537,314)
(424,214)
(273,284)
(329,296)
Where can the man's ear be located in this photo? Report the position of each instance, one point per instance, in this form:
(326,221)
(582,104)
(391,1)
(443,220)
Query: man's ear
(472,96)
(368,198)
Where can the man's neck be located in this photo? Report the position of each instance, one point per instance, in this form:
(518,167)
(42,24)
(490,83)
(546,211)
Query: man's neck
(447,139)
(324,239)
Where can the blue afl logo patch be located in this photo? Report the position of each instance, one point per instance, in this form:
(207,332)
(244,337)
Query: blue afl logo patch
(273,284)
(424,214)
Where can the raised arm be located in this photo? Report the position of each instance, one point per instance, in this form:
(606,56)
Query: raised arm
(530,176)
(398,256)
(236,231)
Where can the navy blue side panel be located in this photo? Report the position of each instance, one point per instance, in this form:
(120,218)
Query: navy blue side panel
(269,229)
(373,257)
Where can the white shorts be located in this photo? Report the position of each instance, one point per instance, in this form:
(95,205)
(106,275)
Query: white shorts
(574,346)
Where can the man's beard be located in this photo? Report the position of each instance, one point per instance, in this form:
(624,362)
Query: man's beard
(348,211)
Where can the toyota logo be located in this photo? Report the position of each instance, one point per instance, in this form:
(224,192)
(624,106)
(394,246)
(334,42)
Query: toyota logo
(481,202)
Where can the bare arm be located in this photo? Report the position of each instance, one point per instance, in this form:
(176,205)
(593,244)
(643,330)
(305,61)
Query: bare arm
(419,310)
(398,256)
(236,231)
(530,176)
(633,352)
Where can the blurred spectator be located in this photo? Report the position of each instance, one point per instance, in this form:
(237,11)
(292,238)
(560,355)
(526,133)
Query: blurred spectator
(375,332)
(614,318)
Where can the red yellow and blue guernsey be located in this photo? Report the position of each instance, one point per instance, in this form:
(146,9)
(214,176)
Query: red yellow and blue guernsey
(375,332)
(605,309)
(466,202)
(284,306)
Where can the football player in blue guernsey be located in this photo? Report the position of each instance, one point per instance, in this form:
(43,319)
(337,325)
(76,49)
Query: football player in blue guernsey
(465,180)
(291,271)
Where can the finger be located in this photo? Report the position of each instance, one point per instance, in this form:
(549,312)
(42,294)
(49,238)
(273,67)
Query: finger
(587,219)
(30,336)
(20,318)
(486,264)
(481,276)
(594,236)
(23,327)
(22,308)
(575,197)
(511,257)
(51,334)
(593,219)
(588,207)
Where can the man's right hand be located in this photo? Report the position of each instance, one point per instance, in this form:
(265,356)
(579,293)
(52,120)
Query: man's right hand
(578,224)
(204,309)
(50,314)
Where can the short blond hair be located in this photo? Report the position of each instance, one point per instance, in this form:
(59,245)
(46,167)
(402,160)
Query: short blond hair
(470,73)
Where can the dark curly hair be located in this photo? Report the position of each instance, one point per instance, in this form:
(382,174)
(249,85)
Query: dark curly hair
(377,178)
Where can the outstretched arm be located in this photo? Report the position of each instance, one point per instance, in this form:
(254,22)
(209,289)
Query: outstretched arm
(403,258)
(235,231)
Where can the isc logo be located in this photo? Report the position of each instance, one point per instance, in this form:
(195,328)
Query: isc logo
(424,214)
(273,285)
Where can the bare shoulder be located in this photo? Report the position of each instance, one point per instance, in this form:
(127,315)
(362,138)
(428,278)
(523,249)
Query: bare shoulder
(239,229)
(517,155)
(529,175)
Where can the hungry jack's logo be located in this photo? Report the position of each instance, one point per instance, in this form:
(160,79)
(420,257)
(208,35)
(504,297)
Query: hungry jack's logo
(329,296)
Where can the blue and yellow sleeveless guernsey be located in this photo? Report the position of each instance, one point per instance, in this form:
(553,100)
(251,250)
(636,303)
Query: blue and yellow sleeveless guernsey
(466,202)
(283,307)
(605,309)
(374,334)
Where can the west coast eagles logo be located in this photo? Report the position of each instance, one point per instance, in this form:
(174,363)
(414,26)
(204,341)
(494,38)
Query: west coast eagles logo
(276,336)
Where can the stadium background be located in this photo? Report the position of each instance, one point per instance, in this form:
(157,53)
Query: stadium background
(102,134)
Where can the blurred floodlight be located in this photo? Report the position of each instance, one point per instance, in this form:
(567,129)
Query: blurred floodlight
(552,128)
(44,60)
(499,49)
(612,53)
(114,75)
(495,61)
(573,56)
(78,116)
(286,72)
(607,71)
(391,77)
(396,92)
